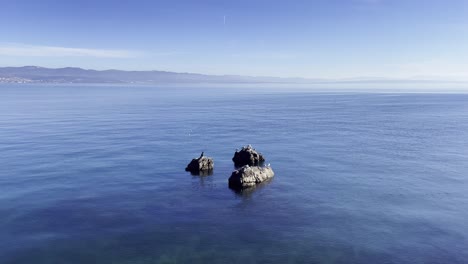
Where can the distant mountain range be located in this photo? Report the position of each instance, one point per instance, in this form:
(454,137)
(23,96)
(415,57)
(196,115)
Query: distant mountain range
(34,74)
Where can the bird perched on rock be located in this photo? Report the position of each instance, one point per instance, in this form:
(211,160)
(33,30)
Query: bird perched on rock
(202,154)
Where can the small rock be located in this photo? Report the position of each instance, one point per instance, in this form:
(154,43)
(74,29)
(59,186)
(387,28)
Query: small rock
(247,156)
(201,164)
(249,176)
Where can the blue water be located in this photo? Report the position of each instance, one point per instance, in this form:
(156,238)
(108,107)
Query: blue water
(96,175)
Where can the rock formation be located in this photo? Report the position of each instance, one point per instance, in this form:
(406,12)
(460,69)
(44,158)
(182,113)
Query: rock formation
(201,164)
(247,156)
(248,176)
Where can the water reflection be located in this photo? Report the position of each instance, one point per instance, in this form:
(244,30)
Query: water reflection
(203,179)
(202,173)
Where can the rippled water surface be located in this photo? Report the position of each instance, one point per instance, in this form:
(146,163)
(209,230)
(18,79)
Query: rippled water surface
(96,175)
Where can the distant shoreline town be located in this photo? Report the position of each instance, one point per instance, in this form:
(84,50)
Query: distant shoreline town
(14,80)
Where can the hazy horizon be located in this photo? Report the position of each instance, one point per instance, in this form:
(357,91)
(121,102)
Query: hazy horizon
(74,75)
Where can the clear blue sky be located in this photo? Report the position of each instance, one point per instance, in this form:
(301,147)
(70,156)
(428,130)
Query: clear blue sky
(306,38)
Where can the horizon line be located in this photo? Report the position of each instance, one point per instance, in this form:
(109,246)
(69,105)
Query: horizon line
(352,79)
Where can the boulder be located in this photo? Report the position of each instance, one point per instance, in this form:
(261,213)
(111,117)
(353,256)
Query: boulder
(201,164)
(249,176)
(247,156)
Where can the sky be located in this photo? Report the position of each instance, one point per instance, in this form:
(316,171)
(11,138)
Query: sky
(330,39)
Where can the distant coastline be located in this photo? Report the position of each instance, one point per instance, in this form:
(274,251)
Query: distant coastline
(73,75)
(35,74)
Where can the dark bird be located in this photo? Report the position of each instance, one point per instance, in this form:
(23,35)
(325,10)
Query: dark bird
(202,154)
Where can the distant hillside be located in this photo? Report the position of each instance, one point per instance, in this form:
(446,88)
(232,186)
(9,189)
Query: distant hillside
(34,74)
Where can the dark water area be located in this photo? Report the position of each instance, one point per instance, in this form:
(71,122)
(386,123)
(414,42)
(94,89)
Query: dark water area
(96,175)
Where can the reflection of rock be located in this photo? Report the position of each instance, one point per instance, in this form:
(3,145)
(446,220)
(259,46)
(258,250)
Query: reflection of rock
(248,176)
(247,156)
(202,164)
(202,173)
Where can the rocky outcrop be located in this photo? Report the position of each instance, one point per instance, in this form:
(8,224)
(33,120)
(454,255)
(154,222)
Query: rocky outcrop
(249,176)
(201,164)
(247,156)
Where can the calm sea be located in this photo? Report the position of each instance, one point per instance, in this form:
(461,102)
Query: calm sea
(95,174)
